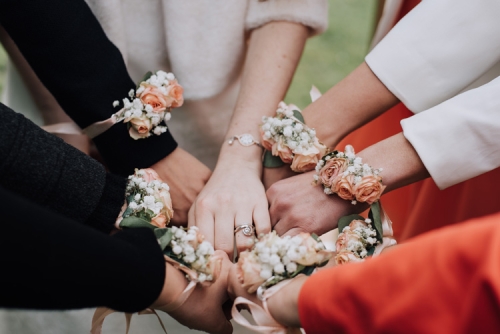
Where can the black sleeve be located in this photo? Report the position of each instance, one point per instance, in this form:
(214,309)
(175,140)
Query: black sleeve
(43,168)
(68,50)
(51,262)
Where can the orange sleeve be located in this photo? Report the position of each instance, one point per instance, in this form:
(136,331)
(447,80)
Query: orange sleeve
(446,281)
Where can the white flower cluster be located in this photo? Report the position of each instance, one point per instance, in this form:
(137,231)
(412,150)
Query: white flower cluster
(144,193)
(282,256)
(288,130)
(190,247)
(150,104)
(358,238)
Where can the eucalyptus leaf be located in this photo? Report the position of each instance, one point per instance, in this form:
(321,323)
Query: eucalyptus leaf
(127,212)
(298,115)
(298,270)
(370,250)
(136,222)
(271,161)
(374,215)
(308,270)
(315,237)
(130,198)
(346,220)
(164,236)
(146,77)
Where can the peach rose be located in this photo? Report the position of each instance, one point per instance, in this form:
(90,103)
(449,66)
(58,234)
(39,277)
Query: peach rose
(283,151)
(159,221)
(331,170)
(150,175)
(346,257)
(215,264)
(344,238)
(164,196)
(268,143)
(140,127)
(305,161)
(312,255)
(152,95)
(357,223)
(248,271)
(321,148)
(369,189)
(176,93)
(343,186)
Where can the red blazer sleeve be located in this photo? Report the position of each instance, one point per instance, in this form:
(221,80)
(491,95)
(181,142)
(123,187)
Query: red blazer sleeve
(444,281)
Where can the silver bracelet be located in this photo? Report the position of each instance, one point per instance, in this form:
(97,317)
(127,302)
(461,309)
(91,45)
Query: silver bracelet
(245,139)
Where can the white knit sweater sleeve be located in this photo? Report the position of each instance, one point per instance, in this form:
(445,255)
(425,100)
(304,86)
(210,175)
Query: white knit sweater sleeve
(311,13)
(437,50)
(459,138)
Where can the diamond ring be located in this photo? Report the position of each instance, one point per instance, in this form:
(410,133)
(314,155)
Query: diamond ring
(248,230)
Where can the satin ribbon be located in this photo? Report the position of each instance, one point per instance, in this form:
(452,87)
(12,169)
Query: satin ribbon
(261,315)
(66,128)
(97,128)
(102,312)
(387,233)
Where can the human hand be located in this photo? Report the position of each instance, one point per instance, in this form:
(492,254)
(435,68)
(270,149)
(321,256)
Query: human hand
(297,205)
(186,176)
(203,310)
(233,196)
(272,175)
(282,305)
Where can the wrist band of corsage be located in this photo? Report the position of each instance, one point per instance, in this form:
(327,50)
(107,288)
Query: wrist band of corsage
(360,238)
(287,140)
(148,205)
(146,109)
(272,263)
(346,175)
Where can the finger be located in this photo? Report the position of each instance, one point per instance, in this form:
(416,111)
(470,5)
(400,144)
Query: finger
(224,231)
(274,213)
(204,220)
(293,231)
(261,218)
(191,219)
(243,241)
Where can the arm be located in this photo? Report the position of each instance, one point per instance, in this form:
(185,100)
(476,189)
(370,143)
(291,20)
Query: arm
(273,53)
(44,169)
(447,279)
(71,55)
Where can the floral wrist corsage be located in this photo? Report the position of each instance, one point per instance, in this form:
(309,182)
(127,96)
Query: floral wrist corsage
(148,204)
(272,263)
(288,140)
(347,176)
(146,108)
(360,238)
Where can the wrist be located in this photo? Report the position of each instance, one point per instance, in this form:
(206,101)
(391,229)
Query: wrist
(175,283)
(284,305)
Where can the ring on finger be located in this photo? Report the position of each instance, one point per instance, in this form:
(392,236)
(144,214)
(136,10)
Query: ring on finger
(248,230)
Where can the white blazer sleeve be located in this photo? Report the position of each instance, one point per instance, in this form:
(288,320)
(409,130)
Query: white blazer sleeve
(311,13)
(460,138)
(437,50)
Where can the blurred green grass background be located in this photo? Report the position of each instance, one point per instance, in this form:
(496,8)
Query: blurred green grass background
(327,58)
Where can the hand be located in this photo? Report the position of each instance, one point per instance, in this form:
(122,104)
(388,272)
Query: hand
(273,175)
(283,305)
(233,196)
(297,205)
(186,176)
(203,309)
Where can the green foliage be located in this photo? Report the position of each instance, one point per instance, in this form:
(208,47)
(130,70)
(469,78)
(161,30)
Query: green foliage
(144,78)
(134,222)
(346,220)
(164,236)
(271,161)
(298,115)
(374,215)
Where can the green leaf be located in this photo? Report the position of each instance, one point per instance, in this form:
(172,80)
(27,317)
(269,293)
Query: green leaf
(374,215)
(164,236)
(145,77)
(315,237)
(346,220)
(133,222)
(298,115)
(370,250)
(308,270)
(127,212)
(271,161)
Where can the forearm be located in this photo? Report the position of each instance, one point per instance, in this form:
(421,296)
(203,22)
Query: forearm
(399,160)
(353,102)
(273,54)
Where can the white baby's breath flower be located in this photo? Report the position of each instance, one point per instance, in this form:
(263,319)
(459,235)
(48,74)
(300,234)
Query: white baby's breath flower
(274,260)
(116,103)
(167,117)
(143,185)
(279,268)
(170,76)
(189,258)
(291,267)
(131,93)
(266,273)
(137,197)
(128,113)
(136,113)
(177,249)
(133,205)
(139,90)
(157,131)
